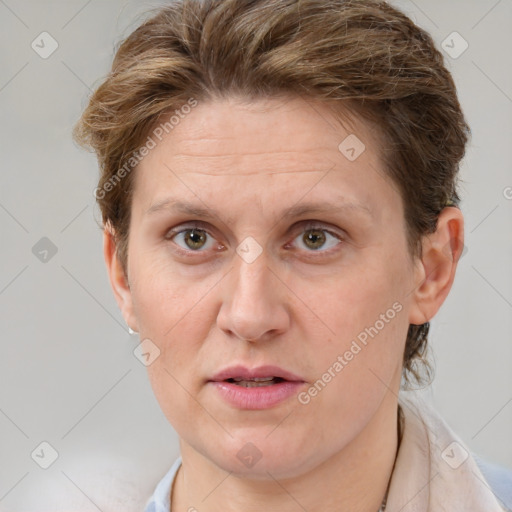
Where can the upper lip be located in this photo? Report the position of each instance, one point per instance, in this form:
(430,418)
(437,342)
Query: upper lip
(242,372)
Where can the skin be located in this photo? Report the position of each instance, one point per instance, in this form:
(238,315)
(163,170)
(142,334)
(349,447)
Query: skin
(294,306)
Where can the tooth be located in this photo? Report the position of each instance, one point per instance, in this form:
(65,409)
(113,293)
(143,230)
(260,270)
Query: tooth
(256,379)
(254,383)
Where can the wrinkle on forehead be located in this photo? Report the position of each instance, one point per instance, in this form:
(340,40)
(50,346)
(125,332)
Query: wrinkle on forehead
(274,166)
(223,139)
(307,115)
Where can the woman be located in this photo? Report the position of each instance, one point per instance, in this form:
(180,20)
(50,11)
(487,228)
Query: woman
(279,198)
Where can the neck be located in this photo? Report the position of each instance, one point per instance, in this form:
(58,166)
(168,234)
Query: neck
(354,479)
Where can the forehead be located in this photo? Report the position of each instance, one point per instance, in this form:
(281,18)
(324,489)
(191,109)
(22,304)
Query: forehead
(283,128)
(288,146)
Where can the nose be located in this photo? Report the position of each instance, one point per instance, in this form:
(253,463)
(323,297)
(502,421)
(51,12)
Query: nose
(255,299)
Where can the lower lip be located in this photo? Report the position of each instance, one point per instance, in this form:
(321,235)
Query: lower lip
(258,397)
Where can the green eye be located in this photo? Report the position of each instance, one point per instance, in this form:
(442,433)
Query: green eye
(311,238)
(191,239)
(314,239)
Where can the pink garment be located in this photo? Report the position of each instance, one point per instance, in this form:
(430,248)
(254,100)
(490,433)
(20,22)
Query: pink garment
(434,470)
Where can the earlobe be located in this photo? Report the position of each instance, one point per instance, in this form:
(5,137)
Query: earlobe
(436,270)
(118,279)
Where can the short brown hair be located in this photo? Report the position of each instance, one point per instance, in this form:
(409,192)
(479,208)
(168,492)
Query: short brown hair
(363,54)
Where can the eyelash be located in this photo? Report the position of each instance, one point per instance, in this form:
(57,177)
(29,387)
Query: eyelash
(308,226)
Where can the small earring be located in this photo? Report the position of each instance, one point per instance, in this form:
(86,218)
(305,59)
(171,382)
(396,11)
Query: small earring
(131,331)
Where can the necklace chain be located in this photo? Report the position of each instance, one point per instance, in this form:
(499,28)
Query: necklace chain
(400,432)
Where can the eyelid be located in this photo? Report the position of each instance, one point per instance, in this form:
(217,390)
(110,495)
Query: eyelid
(194,224)
(316,224)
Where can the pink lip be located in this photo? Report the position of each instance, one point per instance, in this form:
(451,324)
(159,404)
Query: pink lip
(256,398)
(242,372)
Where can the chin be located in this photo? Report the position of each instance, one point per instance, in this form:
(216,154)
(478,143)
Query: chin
(256,457)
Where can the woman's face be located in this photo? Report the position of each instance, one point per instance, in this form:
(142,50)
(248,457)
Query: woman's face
(300,264)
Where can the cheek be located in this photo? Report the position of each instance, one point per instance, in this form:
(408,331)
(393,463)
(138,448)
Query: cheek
(366,315)
(172,312)
(165,296)
(350,302)
(356,368)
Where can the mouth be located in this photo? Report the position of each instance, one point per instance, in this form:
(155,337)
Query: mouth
(253,377)
(256,382)
(258,388)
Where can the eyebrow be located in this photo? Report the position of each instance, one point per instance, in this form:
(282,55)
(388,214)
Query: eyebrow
(294,211)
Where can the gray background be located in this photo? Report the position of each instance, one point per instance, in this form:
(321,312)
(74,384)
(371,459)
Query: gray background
(68,374)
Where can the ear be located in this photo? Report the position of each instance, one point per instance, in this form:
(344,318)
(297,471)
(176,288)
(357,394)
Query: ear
(118,279)
(441,252)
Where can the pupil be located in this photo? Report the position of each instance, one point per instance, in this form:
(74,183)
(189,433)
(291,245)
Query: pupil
(315,236)
(194,233)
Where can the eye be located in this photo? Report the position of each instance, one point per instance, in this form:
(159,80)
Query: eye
(314,238)
(192,239)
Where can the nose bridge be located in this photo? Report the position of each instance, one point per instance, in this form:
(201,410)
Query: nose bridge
(251,281)
(252,305)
